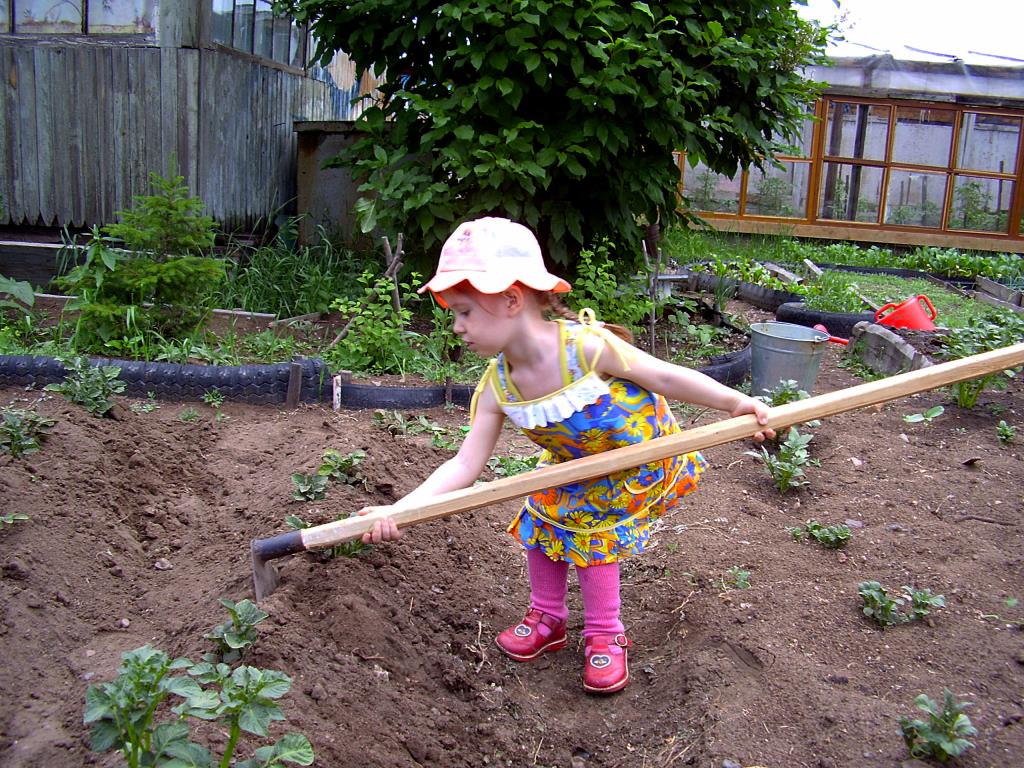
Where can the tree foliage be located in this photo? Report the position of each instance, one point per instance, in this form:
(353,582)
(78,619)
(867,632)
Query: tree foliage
(559,113)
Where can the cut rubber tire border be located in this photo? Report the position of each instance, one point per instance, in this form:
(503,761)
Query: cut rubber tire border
(838,323)
(268,384)
(257,384)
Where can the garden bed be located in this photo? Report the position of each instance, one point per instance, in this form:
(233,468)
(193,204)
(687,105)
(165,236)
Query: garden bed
(138,526)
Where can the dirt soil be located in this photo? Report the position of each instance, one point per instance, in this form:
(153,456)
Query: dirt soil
(138,525)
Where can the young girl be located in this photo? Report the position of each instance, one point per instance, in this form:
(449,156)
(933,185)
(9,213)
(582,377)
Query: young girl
(574,389)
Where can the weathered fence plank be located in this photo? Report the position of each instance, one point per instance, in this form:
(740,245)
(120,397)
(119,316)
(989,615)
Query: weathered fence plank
(84,121)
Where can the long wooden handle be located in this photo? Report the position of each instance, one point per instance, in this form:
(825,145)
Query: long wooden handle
(598,465)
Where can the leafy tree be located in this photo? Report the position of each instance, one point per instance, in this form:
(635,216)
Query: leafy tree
(559,113)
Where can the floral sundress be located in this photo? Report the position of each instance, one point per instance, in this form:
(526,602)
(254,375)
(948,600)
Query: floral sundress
(600,520)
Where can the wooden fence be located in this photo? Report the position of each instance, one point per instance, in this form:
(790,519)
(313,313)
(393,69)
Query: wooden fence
(82,123)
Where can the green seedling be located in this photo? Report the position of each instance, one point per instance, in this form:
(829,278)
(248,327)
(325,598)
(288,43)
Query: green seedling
(736,578)
(234,636)
(396,423)
(922,601)
(1005,432)
(89,386)
(927,417)
(22,431)
(243,699)
(887,611)
(188,414)
(943,733)
(345,549)
(829,536)
(341,468)
(1010,602)
(146,406)
(309,487)
(121,712)
(10,518)
(506,466)
(786,466)
(879,606)
(213,398)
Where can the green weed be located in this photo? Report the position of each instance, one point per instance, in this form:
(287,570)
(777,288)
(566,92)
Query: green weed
(927,417)
(146,406)
(214,398)
(188,414)
(1005,432)
(10,518)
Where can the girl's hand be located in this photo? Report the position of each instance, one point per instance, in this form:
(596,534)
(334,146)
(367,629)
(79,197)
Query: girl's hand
(759,409)
(383,529)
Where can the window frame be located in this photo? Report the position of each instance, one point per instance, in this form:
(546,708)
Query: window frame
(950,171)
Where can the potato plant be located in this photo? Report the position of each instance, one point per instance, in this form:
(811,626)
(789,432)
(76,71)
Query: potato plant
(786,466)
(506,466)
(342,468)
(122,713)
(236,634)
(887,611)
(309,487)
(89,386)
(943,733)
(22,431)
(829,536)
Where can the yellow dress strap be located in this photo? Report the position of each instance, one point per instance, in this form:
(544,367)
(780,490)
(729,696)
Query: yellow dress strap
(490,375)
(622,349)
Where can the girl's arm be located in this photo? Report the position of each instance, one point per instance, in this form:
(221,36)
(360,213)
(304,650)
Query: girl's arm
(675,382)
(460,471)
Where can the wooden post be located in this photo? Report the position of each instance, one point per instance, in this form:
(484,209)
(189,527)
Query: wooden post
(294,386)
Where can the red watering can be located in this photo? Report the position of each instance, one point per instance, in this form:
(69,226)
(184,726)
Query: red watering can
(916,312)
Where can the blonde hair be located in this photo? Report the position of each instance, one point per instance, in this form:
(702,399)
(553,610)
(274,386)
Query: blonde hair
(553,303)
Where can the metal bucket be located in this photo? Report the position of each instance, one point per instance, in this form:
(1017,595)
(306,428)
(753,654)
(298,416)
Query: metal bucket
(784,351)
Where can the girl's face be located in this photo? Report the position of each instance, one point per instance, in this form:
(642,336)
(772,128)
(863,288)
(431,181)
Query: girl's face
(479,320)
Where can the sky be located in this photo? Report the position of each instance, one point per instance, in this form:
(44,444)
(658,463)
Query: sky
(942,26)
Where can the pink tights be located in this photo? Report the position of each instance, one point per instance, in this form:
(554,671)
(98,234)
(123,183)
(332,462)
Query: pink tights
(599,586)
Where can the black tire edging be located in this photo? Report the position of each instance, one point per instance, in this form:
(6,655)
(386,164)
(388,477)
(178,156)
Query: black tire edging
(256,384)
(729,369)
(838,323)
(268,384)
(370,396)
(768,299)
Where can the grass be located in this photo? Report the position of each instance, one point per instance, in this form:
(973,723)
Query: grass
(952,310)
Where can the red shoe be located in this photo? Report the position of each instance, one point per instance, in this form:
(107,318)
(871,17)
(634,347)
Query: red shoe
(526,641)
(605,672)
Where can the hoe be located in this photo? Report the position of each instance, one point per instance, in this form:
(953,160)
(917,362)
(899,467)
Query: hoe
(265,578)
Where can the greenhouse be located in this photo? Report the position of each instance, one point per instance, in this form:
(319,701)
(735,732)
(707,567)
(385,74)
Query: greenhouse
(911,151)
